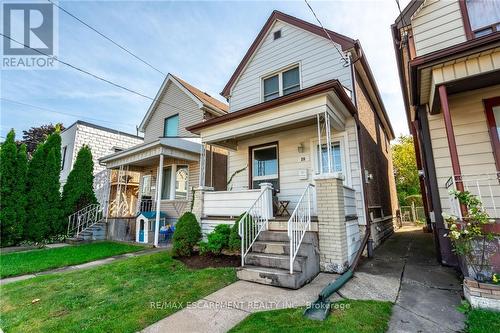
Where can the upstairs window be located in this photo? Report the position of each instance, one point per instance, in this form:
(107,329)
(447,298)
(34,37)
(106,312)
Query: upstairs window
(171,126)
(282,83)
(63,157)
(484,16)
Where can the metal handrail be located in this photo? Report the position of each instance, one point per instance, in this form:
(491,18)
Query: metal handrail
(299,223)
(84,218)
(251,224)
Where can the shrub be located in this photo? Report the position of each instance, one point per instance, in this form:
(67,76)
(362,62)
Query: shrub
(234,237)
(219,238)
(186,235)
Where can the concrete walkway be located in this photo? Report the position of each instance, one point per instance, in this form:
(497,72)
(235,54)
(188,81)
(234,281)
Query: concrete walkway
(404,271)
(95,263)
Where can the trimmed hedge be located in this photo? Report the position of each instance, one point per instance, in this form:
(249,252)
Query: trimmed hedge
(186,235)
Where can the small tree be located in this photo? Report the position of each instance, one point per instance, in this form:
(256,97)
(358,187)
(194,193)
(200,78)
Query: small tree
(37,135)
(44,199)
(22,171)
(78,191)
(12,195)
(186,235)
(405,169)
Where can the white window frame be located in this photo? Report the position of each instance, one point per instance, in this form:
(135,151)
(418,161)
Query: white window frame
(280,79)
(272,176)
(344,153)
(173,181)
(143,183)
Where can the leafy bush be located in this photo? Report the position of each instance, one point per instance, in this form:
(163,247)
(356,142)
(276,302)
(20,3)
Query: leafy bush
(219,238)
(186,235)
(234,237)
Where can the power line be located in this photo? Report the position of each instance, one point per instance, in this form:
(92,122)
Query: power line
(107,38)
(63,113)
(95,76)
(328,34)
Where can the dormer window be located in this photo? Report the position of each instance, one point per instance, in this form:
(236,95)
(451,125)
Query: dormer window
(282,83)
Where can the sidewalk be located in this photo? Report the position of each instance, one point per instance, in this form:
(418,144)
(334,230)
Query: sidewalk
(95,263)
(404,271)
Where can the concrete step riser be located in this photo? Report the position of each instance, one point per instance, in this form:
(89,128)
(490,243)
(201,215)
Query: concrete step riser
(272,262)
(279,248)
(280,236)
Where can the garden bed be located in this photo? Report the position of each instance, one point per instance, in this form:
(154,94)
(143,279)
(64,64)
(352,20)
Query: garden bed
(197,261)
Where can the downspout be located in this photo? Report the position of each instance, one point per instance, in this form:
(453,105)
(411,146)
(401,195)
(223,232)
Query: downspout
(368,241)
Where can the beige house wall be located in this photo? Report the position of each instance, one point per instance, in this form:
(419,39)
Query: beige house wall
(471,135)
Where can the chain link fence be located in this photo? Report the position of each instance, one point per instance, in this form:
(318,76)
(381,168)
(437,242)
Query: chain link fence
(412,214)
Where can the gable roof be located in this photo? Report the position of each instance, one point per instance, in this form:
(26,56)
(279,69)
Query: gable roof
(202,99)
(344,41)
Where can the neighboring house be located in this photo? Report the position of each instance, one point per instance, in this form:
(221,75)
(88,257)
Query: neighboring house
(101,140)
(448,55)
(308,139)
(166,166)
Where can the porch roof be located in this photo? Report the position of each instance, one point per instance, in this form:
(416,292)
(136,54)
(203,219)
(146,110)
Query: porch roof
(180,148)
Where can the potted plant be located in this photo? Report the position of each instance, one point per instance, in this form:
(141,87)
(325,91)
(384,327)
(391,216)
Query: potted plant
(474,238)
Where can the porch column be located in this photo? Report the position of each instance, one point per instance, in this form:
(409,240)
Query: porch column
(331,224)
(203,162)
(159,182)
(452,145)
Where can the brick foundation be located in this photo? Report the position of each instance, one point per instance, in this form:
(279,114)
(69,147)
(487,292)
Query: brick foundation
(482,295)
(331,224)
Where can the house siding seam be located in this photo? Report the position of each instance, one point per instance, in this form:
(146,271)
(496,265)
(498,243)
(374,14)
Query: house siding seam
(317,57)
(182,104)
(101,143)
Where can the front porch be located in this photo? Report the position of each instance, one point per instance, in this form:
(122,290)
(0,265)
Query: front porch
(153,187)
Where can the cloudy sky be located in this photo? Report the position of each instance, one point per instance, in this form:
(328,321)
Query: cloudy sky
(202,42)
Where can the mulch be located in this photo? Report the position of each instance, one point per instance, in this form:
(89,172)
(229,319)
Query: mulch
(198,261)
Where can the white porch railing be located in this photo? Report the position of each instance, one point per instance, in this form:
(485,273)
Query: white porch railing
(300,222)
(84,218)
(255,220)
(485,186)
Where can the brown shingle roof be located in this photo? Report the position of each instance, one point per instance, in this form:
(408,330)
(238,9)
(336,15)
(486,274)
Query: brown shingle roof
(203,96)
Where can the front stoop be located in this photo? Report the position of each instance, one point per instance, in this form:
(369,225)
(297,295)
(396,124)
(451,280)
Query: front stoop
(93,233)
(268,262)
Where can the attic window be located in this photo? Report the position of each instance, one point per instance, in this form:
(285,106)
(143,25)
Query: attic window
(277,34)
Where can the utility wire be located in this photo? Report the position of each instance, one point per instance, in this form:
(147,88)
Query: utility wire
(62,113)
(107,38)
(328,34)
(95,76)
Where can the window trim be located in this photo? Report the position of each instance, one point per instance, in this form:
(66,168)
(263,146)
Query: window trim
(250,162)
(279,73)
(492,128)
(173,181)
(165,127)
(469,33)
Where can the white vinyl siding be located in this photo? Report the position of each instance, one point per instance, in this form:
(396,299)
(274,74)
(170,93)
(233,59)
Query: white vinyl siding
(291,187)
(173,101)
(319,62)
(437,25)
(474,148)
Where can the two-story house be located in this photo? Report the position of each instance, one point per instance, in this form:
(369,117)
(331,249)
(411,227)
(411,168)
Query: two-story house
(166,166)
(309,160)
(448,56)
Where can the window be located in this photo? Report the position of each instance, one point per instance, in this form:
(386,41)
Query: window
(336,154)
(265,166)
(484,16)
(146,185)
(175,182)
(171,126)
(63,157)
(281,84)
(492,108)
(277,34)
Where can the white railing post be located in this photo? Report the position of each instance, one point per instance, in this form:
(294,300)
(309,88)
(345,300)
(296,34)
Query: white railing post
(267,199)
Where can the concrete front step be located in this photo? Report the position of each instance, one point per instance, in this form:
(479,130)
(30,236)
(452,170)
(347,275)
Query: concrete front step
(275,261)
(282,236)
(272,276)
(283,226)
(273,247)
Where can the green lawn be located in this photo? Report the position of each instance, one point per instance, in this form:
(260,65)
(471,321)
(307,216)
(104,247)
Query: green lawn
(346,317)
(19,263)
(117,297)
(482,321)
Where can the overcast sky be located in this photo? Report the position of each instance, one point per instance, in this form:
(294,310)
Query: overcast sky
(202,42)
